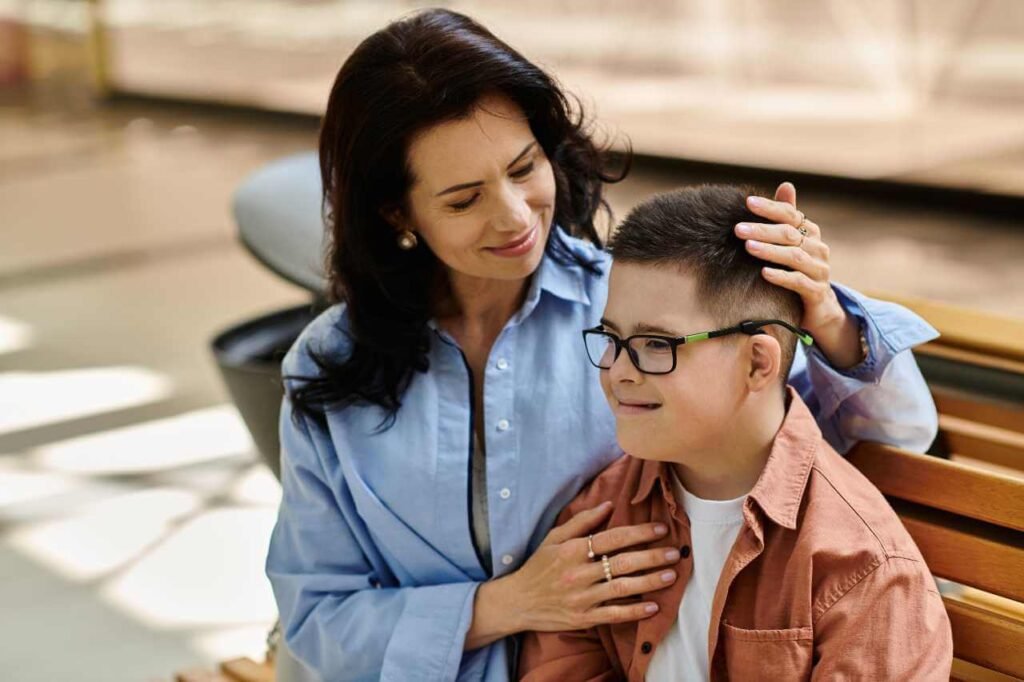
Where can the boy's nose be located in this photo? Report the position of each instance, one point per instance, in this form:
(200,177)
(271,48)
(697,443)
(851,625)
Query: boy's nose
(622,369)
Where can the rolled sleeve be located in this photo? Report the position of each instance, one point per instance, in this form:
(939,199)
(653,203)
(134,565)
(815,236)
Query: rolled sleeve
(884,398)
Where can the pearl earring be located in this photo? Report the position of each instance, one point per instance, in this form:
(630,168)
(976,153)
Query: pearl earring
(407,240)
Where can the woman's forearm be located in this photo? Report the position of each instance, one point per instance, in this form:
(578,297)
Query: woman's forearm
(840,342)
(495,614)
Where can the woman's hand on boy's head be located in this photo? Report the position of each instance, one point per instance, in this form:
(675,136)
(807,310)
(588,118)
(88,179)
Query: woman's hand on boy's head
(789,238)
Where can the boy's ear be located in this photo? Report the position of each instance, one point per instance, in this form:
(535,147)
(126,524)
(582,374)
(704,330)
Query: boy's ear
(765,362)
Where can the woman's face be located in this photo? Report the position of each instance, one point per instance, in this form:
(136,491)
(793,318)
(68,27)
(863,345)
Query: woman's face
(483,192)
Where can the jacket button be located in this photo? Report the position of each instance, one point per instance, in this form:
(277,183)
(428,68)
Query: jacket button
(645,647)
(684,551)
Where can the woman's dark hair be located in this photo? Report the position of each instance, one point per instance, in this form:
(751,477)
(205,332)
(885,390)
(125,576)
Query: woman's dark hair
(430,67)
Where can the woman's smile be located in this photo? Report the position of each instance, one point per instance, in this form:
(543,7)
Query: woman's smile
(520,246)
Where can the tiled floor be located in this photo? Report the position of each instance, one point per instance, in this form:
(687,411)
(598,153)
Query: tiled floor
(133,514)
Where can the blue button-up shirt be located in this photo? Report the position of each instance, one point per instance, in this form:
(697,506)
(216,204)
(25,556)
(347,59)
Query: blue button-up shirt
(372,560)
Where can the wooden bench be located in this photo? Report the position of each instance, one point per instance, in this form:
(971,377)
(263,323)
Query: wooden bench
(964,506)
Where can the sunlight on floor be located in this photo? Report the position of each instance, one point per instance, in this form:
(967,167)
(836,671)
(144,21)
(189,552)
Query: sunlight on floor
(105,536)
(209,572)
(182,440)
(167,520)
(14,335)
(33,399)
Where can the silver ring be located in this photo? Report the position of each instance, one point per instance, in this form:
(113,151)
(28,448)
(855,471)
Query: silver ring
(607,566)
(590,547)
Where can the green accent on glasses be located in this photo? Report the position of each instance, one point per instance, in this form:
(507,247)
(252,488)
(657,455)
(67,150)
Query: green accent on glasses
(656,354)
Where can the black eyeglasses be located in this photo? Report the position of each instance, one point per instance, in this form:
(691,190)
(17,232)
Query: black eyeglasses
(656,354)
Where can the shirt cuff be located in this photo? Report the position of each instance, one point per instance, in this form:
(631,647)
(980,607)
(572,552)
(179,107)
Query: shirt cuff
(430,637)
(887,329)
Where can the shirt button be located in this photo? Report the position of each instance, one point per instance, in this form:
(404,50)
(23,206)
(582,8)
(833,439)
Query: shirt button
(502,363)
(507,559)
(684,551)
(503,425)
(645,648)
(505,493)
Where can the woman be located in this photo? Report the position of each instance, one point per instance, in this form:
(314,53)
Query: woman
(441,414)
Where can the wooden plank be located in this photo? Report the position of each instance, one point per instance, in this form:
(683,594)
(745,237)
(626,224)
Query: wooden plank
(943,484)
(986,639)
(248,670)
(966,551)
(964,671)
(1010,608)
(980,441)
(971,357)
(1003,415)
(988,333)
(200,675)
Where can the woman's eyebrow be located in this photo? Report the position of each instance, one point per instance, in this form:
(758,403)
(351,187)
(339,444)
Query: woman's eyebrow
(478,183)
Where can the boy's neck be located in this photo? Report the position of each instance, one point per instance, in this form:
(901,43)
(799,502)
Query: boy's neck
(732,466)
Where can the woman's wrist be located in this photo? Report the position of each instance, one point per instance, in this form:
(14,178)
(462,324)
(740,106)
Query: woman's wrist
(495,614)
(840,342)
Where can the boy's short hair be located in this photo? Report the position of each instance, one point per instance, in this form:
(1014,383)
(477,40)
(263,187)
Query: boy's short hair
(693,229)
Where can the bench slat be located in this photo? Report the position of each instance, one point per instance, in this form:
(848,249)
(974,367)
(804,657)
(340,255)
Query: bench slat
(980,441)
(966,551)
(985,332)
(1003,415)
(964,671)
(986,639)
(943,484)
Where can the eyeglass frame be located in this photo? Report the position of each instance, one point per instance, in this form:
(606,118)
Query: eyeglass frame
(749,327)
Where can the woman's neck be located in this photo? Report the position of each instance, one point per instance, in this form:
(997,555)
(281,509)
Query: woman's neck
(479,308)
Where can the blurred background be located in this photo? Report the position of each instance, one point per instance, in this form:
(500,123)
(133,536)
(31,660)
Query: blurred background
(134,507)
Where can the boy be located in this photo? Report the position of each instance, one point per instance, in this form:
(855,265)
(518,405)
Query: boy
(793,565)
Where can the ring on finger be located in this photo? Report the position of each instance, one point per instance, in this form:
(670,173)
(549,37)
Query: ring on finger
(802,230)
(607,566)
(590,547)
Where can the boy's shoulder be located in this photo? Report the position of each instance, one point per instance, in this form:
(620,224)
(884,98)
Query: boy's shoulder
(841,497)
(616,483)
(847,530)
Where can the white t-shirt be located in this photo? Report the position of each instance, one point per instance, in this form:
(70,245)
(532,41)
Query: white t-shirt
(714,525)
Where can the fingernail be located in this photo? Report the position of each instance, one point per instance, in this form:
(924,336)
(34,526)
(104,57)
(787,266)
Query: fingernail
(744,230)
(651,608)
(604,505)
(672,555)
(660,529)
(757,201)
(754,244)
(668,576)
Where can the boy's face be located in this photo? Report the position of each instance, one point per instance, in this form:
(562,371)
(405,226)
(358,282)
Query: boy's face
(663,417)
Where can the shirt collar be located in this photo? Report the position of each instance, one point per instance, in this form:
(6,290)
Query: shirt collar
(780,488)
(566,281)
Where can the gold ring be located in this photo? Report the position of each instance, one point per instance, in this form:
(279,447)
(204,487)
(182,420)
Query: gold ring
(590,546)
(802,230)
(607,566)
